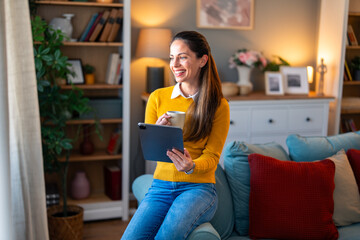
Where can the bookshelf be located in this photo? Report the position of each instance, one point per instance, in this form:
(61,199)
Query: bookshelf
(98,205)
(350,103)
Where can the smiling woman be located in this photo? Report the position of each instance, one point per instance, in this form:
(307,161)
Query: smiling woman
(183,189)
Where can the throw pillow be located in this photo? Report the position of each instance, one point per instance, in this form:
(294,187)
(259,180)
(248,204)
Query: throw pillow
(238,175)
(290,200)
(314,148)
(346,194)
(354,159)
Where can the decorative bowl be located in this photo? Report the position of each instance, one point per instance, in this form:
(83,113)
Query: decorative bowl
(229,89)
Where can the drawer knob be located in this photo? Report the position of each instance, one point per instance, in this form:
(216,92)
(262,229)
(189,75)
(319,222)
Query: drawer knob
(270,120)
(231,122)
(308,119)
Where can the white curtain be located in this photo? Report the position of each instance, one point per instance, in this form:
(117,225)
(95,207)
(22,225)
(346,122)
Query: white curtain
(22,188)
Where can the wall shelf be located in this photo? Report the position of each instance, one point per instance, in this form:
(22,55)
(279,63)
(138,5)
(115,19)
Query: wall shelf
(79,4)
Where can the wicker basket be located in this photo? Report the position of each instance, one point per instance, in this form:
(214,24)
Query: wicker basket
(65,228)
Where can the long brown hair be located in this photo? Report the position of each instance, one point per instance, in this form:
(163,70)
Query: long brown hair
(200,114)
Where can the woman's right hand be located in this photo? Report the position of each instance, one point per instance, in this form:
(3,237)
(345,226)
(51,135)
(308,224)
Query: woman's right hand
(163,120)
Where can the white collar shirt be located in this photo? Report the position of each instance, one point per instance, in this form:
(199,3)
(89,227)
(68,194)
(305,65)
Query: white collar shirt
(177,92)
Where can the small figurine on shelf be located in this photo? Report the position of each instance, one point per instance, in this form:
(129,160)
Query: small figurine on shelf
(322,69)
(89,74)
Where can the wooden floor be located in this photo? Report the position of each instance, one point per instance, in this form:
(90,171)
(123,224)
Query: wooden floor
(111,229)
(104,230)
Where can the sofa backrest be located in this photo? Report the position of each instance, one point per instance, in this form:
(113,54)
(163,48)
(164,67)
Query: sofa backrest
(308,149)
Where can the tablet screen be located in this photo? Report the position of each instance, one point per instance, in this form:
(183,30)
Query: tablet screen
(157,139)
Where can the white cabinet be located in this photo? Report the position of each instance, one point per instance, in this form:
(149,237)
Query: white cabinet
(262,121)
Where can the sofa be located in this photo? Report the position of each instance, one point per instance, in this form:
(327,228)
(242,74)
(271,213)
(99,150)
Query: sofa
(293,195)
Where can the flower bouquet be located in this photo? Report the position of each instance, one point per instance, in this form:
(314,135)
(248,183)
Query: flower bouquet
(248,58)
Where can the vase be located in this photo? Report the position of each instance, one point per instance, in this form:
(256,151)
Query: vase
(244,73)
(80,186)
(87,146)
(63,24)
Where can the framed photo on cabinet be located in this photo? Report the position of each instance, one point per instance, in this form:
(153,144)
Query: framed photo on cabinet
(76,68)
(295,80)
(225,14)
(274,84)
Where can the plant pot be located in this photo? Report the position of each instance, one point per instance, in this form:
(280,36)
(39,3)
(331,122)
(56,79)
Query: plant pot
(90,78)
(65,228)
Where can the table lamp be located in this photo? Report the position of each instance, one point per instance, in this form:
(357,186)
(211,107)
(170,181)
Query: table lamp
(154,43)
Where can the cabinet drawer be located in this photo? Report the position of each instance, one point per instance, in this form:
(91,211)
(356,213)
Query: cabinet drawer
(239,120)
(306,118)
(269,120)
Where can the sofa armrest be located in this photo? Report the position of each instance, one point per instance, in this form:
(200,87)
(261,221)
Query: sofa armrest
(204,231)
(141,186)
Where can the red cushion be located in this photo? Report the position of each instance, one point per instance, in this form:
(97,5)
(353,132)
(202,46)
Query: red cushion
(291,200)
(354,159)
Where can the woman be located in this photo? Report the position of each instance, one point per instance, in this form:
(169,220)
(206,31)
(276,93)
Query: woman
(183,194)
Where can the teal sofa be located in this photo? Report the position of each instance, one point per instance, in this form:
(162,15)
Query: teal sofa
(231,221)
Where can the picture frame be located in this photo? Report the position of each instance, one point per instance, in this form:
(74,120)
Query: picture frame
(274,84)
(225,14)
(76,67)
(295,80)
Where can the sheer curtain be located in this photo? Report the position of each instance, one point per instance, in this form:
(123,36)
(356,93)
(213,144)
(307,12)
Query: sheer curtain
(22,188)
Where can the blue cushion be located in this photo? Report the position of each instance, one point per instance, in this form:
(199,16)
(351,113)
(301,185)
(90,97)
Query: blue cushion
(141,186)
(223,220)
(238,174)
(307,149)
(350,232)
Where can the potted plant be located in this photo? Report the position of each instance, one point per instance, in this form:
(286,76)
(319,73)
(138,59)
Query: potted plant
(89,74)
(245,60)
(274,66)
(56,107)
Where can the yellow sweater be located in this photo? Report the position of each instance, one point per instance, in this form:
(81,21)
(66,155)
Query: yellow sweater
(205,153)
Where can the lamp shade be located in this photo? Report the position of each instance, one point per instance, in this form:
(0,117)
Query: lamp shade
(154,42)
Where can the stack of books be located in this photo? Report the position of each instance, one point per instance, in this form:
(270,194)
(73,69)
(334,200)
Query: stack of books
(103,26)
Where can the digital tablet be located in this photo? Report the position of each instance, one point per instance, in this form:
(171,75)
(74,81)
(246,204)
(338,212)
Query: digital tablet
(157,139)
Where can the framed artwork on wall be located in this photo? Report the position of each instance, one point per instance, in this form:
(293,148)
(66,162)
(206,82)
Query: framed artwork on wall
(295,80)
(76,68)
(225,14)
(274,83)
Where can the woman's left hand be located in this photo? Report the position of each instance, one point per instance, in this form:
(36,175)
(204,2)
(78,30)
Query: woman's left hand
(182,161)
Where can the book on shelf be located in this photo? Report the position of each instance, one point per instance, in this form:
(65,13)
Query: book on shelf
(113,62)
(99,26)
(112,181)
(88,27)
(348,125)
(110,22)
(346,79)
(118,71)
(352,37)
(114,145)
(352,125)
(116,26)
(99,15)
(347,71)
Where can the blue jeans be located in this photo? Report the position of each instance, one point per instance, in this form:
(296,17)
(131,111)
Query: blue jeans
(172,210)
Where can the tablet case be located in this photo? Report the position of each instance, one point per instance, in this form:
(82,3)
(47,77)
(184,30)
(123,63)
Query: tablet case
(157,139)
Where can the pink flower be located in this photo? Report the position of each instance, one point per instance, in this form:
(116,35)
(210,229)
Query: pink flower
(249,58)
(263,61)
